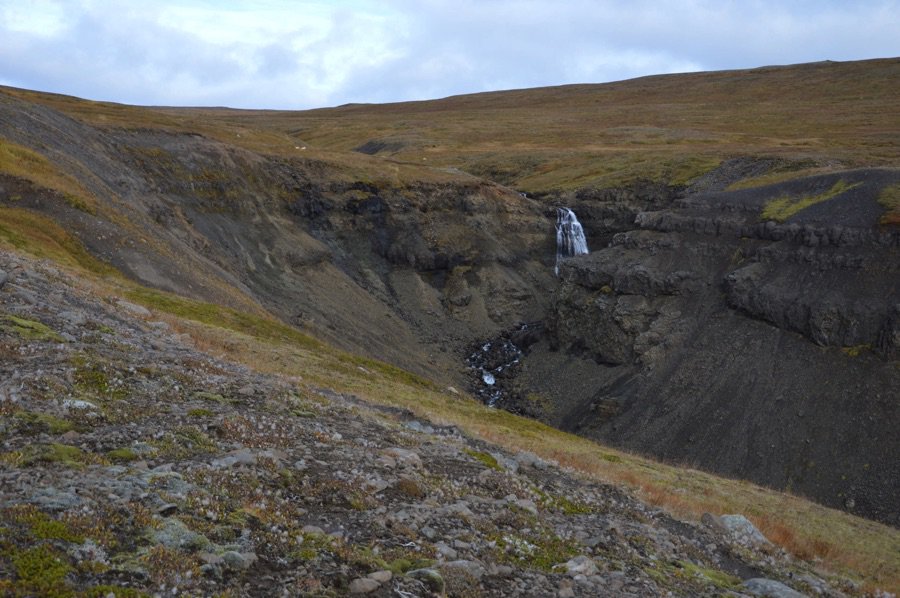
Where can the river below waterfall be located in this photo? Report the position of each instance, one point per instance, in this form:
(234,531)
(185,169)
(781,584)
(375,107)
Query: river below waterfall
(494,363)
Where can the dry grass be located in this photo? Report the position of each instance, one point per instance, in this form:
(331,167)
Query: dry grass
(24,163)
(39,236)
(669,128)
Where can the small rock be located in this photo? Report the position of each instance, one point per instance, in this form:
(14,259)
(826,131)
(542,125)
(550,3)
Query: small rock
(417,426)
(741,529)
(770,589)
(528,459)
(581,565)
(383,576)
(472,568)
(565,589)
(175,534)
(75,318)
(70,437)
(510,465)
(430,577)
(78,405)
(137,310)
(527,505)
(3,278)
(243,456)
(167,509)
(239,561)
(312,529)
(445,551)
(363,585)
(404,457)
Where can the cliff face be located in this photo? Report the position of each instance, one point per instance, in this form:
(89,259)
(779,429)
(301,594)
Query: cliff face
(758,349)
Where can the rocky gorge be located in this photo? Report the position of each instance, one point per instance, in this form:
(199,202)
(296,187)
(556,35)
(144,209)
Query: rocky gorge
(134,464)
(743,319)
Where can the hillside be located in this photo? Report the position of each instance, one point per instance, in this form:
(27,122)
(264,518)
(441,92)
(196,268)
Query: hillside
(135,463)
(738,312)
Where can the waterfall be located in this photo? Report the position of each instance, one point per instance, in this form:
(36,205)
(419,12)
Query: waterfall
(569,236)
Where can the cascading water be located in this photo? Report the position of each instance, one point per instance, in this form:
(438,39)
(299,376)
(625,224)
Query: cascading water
(570,238)
(494,363)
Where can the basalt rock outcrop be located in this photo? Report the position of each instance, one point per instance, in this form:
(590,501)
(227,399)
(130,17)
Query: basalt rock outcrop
(754,348)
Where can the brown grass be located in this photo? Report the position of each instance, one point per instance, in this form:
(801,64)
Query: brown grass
(669,128)
(27,164)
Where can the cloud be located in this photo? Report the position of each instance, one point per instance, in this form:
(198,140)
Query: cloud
(279,54)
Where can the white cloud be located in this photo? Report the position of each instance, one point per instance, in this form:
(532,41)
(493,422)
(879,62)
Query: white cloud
(282,54)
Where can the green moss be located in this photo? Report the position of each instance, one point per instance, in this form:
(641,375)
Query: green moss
(544,552)
(782,208)
(211,396)
(64,454)
(720,579)
(855,350)
(563,504)
(42,526)
(93,380)
(199,412)
(41,571)
(314,545)
(122,455)
(28,329)
(30,422)
(186,441)
(486,459)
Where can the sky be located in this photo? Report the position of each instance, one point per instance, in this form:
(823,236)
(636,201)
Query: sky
(312,53)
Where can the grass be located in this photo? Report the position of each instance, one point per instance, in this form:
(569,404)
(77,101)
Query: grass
(783,208)
(41,237)
(27,329)
(22,162)
(889,198)
(668,128)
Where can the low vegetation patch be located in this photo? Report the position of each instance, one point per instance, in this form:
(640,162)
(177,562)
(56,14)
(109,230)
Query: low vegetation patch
(783,208)
(41,237)
(27,329)
(889,198)
(27,164)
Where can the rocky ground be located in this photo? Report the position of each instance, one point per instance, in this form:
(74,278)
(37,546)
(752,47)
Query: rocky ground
(133,464)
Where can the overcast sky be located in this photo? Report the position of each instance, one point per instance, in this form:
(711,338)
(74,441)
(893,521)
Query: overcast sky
(306,53)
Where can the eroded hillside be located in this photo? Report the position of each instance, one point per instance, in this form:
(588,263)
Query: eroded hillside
(739,311)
